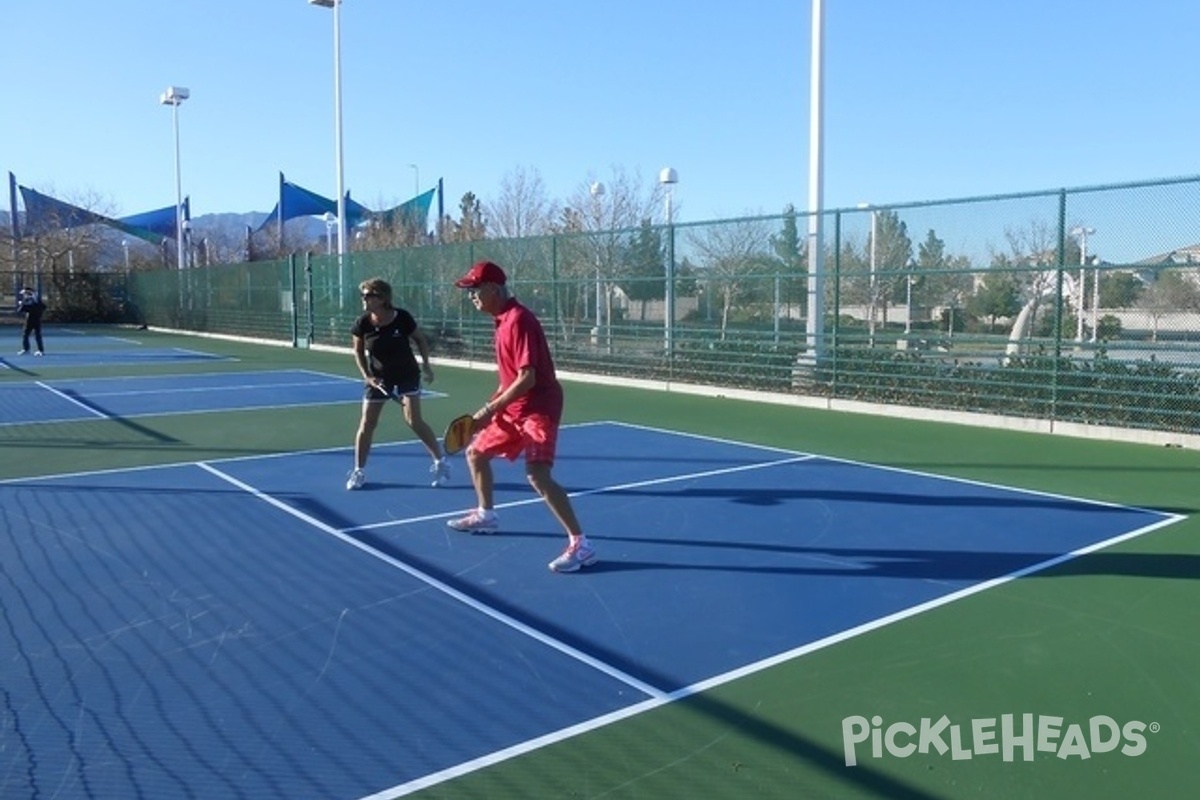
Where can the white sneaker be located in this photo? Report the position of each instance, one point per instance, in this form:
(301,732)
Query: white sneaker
(38,353)
(355,479)
(579,553)
(441,472)
(476,522)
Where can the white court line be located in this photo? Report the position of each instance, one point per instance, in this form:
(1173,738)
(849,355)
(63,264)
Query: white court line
(94,337)
(322,381)
(528,746)
(1002,487)
(228,387)
(213,377)
(181,413)
(69,399)
(658,697)
(445,588)
(189,351)
(331,380)
(586,492)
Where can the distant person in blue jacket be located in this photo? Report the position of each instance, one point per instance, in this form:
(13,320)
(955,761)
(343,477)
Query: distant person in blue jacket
(29,304)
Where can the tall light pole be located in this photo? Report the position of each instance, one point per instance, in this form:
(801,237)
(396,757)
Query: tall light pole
(188,255)
(815,324)
(330,222)
(871,287)
(668,177)
(125,246)
(174,96)
(416,179)
(1082,233)
(908,279)
(339,161)
(597,190)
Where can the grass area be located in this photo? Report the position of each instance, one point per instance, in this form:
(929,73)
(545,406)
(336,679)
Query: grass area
(1109,634)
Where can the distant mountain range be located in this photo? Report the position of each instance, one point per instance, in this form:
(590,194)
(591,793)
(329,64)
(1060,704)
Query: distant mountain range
(232,226)
(223,238)
(226,225)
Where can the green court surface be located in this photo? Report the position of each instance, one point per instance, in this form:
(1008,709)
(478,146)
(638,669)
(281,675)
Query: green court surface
(1106,639)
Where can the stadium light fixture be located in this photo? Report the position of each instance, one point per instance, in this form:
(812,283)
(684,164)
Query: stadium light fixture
(339,160)
(174,96)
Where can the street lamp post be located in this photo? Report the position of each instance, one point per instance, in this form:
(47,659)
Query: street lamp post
(908,279)
(174,96)
(125,247)
(1082,233)
(597,190)
(668,177)
(330,222)
(871,285)
(339,162)
(815,306)
(188,259)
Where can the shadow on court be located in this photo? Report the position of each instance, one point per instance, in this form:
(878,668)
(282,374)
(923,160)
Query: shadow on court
(777,496)
(935,565)
(714,559)
(124,422)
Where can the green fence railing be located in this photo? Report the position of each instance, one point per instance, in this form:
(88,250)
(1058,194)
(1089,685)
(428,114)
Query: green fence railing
(1076,305)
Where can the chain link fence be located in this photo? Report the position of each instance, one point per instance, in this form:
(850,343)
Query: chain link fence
(1076,305)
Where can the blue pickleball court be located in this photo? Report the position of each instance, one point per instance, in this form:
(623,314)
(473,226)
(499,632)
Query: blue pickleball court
(247,628)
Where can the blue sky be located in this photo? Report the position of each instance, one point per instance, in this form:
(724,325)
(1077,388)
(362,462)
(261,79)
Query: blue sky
(926,99)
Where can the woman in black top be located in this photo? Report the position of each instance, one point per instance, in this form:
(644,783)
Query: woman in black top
(382,339)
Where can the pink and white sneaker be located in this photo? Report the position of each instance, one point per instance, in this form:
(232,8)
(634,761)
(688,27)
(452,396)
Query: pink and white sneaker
(579,553)
(476,522)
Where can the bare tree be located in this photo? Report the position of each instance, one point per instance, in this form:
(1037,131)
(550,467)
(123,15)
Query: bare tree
(1171,292)
(733,256)
(626,201)
(521,209)
(601,213)
(1034,247)
(224,244)
(54,250)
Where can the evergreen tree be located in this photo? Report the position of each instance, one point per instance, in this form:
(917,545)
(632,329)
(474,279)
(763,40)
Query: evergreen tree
(1120,290)
(999,296)
(941,279)
(789,247)
(646,277)
(470,226)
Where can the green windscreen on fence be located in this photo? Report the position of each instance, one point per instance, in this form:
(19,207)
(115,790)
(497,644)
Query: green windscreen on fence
(1079,305)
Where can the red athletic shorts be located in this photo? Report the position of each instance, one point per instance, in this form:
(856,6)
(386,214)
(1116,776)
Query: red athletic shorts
(534,435)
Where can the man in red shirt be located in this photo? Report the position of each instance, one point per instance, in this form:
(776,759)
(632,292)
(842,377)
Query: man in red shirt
(521,418)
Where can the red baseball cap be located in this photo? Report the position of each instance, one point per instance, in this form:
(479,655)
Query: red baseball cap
(483,272)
